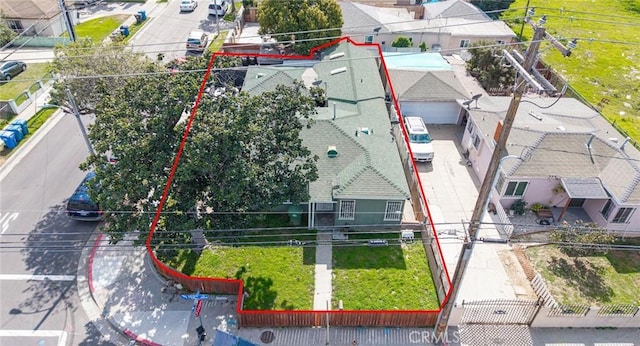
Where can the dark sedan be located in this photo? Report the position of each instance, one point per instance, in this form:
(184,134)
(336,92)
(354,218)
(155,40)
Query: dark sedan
(10,69)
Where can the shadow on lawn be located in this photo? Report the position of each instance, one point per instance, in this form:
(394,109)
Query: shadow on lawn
(583,275)
(624,262)
(261,296)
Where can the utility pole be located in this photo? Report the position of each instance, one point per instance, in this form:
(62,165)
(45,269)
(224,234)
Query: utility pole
(76,113)
(487,184)
(67,20)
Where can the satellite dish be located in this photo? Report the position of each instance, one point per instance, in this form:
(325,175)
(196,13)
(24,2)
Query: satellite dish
(317,82)
(377,30)
(476,97)
(467,103)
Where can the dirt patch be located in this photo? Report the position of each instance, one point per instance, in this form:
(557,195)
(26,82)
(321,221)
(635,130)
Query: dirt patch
(521,285)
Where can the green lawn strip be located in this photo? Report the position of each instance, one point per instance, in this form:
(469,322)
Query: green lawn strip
(99,28)
(135,27)
(392,277)
(230,16)
(591,280)
(276,278)
(216,44)
(596,69)
(23,81)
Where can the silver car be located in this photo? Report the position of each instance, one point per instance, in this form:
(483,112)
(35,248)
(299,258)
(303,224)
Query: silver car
(10,69)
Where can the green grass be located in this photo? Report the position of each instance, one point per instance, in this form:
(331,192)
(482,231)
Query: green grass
(99,28)
(216,44)
(277,278)
(597,69)
(135,27)
(23,81)
(591,280)
(230,16)
(389,277)
(21,98)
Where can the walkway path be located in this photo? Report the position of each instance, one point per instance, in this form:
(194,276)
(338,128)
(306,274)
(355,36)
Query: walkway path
(323,272)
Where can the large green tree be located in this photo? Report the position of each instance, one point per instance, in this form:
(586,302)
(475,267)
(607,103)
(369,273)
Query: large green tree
(488,66)
(582,238)
(6,34)
(308,23)
(493,8)
(243,153)
(93,71)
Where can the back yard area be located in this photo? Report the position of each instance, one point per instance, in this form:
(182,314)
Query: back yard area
(596,280)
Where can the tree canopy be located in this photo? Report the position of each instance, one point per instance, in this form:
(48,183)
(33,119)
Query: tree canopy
(582,239)
(243,155)
(402,42)
(308,23)
(80,62)
(488,67)
(6,34)
(493,8)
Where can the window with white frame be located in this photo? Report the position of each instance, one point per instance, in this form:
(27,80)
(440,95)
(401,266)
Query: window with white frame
(606,210)
(469,126)
(464,43)
(368,38)
(393,211)
(347,210)
(476,141)
(516,188)
(623,214)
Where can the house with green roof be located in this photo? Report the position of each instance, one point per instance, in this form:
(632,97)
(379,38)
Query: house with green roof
(361,181)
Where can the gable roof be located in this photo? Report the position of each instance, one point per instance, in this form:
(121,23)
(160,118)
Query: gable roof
(30,9)
(427,85)
(368,166)
(364,18)
(453,8)
(566,140)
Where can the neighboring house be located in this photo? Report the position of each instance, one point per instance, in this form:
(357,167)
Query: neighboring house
(34,17)
(565,156)
(426,86)
(450,34)
(361,179)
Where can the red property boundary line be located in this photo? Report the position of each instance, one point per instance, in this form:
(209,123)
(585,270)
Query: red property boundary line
(164,268)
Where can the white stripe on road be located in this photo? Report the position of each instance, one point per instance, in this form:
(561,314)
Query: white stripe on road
(25,277)
(60,334)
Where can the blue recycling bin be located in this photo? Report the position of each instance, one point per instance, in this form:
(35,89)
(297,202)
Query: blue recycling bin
(143,15)
(124,30)
(23,124)
(17,130)
(9,139)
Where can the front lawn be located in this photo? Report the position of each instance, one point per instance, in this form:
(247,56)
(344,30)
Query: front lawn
(99,28)
(12,89)
(216,44)
(393,277)
(591,280)
(33,124)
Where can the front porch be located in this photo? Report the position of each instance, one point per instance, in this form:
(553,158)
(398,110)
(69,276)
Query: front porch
(530,222)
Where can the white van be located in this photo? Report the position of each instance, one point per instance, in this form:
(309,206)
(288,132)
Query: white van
(197,41)
(419,139)
(218,7)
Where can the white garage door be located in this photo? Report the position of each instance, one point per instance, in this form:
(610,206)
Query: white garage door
(432,112)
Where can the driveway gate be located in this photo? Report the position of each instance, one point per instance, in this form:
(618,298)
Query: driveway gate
(500,311)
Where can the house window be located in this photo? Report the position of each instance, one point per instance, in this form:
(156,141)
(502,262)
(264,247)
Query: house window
(347,210)
(15,25)
(324,206)
(464,43)
(516,188)
(606,210)
(469,126)
(393,212)
(622,216)
(368,38)
(476,141)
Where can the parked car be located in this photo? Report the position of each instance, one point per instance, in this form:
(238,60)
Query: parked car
(10,69)
(218,7)
(197,41)
(188,5)
(419,139)
(80,206)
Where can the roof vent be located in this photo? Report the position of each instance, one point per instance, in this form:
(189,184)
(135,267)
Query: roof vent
(338,70)
(332,151)
(259,75)
(336,55)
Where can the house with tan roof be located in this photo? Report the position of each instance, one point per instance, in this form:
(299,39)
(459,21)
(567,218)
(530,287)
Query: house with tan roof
(35,17)
(448,27)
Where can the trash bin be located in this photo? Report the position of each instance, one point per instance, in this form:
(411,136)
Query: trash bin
(143,15)
(17,130)
(23,124)
(295,215)
(124,30)
(138,18)
(9,139)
